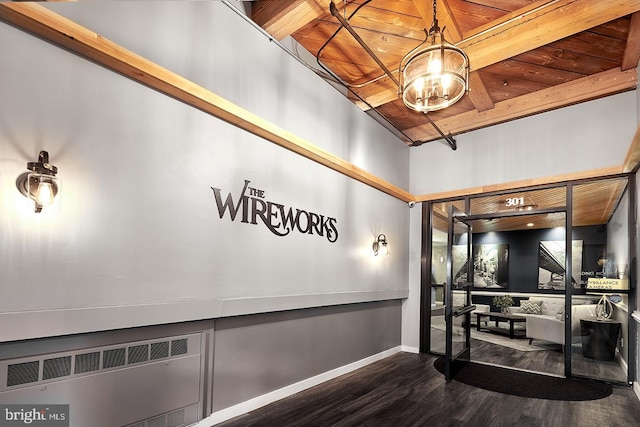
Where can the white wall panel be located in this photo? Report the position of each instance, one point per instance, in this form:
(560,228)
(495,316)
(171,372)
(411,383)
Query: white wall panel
(209,44)
(136,222)
(411,306)
(582,137)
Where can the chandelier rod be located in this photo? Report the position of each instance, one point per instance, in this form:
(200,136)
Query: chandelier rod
(435,19)
(348,27)
(449,139)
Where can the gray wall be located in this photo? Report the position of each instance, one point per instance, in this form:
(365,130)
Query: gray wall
(296,345)
(135,238)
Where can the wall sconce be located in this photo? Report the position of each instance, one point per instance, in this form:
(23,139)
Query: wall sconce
(380,245)
(40,185)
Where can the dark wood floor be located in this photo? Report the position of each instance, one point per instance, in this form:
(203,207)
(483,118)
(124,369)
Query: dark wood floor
(406,390)
(549,361)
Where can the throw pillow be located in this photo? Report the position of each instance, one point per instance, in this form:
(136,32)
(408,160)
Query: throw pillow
(530,307)
(560,314)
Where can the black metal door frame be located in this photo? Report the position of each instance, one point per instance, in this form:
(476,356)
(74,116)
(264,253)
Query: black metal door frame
(452,312)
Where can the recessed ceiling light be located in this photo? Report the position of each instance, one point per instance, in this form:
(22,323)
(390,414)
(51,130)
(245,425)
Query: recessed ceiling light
(530,224)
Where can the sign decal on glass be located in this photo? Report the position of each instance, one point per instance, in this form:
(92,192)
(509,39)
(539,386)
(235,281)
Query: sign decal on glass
(515,202)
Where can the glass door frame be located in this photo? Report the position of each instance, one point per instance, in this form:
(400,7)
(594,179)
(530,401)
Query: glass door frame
(426,260)
(568,266)
(451,311)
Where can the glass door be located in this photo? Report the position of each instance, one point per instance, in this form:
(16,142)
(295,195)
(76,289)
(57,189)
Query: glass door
(438,216)
(458,306)
(565,254)
(600,337)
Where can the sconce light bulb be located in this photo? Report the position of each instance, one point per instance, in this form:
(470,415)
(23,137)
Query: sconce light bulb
(385,249)
(44,194)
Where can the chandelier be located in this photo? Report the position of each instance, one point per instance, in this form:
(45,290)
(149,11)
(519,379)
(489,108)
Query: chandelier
(435,74)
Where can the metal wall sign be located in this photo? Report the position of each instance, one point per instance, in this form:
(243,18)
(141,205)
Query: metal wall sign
(252,207)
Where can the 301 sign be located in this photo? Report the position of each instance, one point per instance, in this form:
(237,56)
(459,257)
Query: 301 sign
(515,202)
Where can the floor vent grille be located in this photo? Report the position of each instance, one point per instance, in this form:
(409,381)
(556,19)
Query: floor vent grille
(23,373)
(176,419)
(171,419)
(157,422)
(56,368)
(87,362)
(159,350)
(138,354)
(179,347)
(114,358)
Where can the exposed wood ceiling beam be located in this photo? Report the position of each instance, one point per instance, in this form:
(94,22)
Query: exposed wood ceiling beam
(529,28)
(632,50)
(376,94)
(539,27)
(445,18)
(425,10)
(281,18)
(478,93)
(63,32)
(448,23)
(573,92)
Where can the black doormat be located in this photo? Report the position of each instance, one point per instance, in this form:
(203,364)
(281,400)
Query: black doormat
(525,384)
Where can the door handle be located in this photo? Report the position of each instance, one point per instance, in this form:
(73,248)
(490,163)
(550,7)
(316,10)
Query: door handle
(462,310)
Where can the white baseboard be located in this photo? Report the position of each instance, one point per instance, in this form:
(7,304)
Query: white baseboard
(408,349)
(623,362)
(265,399)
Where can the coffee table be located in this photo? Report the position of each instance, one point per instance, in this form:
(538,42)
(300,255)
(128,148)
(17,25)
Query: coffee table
(501,317)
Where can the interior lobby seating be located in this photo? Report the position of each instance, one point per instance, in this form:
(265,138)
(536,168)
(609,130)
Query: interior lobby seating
(548,325)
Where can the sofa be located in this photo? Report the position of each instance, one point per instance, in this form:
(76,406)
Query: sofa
(548,324)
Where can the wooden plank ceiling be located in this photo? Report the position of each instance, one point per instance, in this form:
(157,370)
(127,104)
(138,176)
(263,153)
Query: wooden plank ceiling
(526,56)
(593,204)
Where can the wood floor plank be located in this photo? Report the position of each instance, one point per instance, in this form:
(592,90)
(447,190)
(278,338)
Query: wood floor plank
(406,390)
(550,361)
